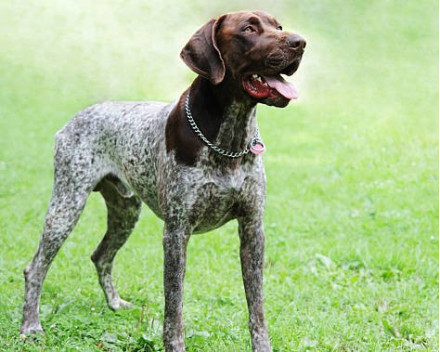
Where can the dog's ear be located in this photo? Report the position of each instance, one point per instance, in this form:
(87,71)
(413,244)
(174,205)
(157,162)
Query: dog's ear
(202,54)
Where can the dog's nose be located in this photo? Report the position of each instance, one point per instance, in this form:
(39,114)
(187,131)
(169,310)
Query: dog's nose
(295,41)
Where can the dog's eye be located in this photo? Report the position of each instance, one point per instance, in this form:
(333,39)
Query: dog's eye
(249,29)
(280,27)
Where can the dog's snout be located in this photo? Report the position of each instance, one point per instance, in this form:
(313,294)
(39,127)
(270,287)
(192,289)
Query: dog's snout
(296,42)
(275,60)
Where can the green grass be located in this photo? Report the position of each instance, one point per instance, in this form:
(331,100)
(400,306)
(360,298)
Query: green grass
(352,211)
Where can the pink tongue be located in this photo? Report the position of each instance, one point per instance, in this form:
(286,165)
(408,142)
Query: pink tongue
(286,89)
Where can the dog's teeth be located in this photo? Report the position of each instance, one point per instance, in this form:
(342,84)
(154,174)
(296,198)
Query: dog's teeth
(255,76)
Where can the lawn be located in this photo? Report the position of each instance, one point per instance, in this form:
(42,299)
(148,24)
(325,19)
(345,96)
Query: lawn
(352,210)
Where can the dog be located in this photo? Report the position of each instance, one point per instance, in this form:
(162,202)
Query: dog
(195,162)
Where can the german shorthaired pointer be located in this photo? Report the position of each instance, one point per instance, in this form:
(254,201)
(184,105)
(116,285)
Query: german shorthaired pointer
(194,162)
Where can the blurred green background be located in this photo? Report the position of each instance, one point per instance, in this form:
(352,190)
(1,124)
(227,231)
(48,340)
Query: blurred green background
(352,211)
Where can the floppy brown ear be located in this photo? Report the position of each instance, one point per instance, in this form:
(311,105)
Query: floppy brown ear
(202,55)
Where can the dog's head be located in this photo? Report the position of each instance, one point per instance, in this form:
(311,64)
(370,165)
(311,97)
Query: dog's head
(252,50)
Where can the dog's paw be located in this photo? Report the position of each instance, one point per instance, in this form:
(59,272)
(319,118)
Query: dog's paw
(30,331)
(120,304)
(125,304)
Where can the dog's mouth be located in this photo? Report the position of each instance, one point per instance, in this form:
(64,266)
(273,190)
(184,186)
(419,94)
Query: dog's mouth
(264,86)
(270,87)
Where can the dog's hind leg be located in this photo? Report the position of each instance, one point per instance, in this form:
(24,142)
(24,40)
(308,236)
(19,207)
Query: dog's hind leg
(67,202)
(123,212)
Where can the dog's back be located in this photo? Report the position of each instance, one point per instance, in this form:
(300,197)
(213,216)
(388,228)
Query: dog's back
(121,139)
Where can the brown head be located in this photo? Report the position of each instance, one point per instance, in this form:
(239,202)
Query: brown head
(249,51)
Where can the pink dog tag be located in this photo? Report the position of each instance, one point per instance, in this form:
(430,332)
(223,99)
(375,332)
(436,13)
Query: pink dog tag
(258,148)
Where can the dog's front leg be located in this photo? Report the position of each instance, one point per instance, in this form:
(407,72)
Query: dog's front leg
(175,240)
(252,260)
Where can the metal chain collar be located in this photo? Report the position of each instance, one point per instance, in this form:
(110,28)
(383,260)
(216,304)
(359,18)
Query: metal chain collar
(255,139)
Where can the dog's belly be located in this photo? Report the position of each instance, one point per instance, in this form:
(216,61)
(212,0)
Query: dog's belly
(139,147)
(141,177)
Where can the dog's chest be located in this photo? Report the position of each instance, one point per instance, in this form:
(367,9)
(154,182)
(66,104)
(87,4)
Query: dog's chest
(215,201)
(207,199)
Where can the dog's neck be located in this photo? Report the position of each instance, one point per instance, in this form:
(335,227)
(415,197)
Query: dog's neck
(224,116)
